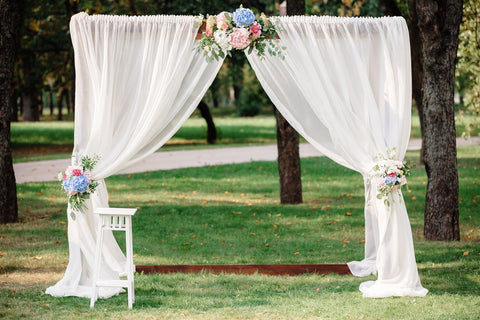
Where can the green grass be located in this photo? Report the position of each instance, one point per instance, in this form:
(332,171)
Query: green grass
(231,214)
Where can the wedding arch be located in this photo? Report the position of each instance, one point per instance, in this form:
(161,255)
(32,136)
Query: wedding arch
(344,85)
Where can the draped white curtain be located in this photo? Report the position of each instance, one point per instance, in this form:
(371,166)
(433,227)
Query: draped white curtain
(345,85)
(137,80)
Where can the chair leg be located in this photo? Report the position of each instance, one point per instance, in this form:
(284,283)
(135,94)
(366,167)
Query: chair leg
(129,249)
(96,271)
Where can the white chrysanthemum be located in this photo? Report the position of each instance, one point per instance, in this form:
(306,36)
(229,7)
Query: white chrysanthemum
(222,39)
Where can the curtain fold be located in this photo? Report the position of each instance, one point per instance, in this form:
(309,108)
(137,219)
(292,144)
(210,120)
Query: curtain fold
(137,80)
(345,86)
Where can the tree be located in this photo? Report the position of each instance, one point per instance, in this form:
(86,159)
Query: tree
(438,25)
(211,130)
(9,25)
(288,142)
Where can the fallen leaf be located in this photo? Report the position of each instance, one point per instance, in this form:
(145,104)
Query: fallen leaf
(324,208)
(204,202)
(348,214)
(466,253)
(274,225)
(62,222)
(414,198)
(297,253)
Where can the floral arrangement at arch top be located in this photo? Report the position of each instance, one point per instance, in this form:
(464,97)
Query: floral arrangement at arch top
(77,181)
(240,30)
(391,174)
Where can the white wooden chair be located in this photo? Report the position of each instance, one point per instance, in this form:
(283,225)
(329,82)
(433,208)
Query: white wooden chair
(115,219)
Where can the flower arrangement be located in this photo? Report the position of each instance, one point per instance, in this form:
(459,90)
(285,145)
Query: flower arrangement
(391,174)
(77,181)
(241,31)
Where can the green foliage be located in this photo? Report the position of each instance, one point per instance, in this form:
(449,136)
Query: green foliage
(344,8)
(468,66)
(230,214)
(252,96)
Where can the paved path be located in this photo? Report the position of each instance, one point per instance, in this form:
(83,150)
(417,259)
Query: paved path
(39,171)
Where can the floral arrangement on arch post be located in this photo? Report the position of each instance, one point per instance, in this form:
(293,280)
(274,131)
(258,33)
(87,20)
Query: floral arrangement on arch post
(240,30)
(391,174)
(77,181)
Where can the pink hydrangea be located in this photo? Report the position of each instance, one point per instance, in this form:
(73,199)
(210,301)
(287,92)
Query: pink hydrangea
(256,30)
(221,21)
(88,175)
(77,172)
(240,38)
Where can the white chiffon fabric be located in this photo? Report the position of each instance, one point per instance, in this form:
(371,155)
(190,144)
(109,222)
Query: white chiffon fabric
(137,80)
(345,85)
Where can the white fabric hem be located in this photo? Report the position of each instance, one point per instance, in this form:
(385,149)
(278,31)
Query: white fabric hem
(363,268)
(376,289)
(82,291)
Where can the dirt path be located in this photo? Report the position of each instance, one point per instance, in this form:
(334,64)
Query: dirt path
(40,171)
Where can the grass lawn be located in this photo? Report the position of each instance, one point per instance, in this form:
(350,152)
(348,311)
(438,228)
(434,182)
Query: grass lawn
(231,214)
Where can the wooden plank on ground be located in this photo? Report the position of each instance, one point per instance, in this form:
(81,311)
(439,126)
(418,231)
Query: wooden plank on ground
(270,269)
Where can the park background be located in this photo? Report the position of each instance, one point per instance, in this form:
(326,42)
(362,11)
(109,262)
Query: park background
(223,214)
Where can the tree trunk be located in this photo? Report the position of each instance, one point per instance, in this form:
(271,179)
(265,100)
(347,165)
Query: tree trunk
(60,105)
(439,23)
(50,101)
(288,161)
(211,130)
(288,142)
(14,106)
(9,25)
(29,91)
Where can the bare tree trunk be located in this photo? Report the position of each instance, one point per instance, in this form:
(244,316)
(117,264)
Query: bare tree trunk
(288,142)
(439,23)
(29,92)
(9,25)
(288,161)
(50,101)
(62,96)
(211,130)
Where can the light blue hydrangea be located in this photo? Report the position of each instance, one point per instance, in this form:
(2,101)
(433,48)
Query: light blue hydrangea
(243,17)
(76,184)
(391,180)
